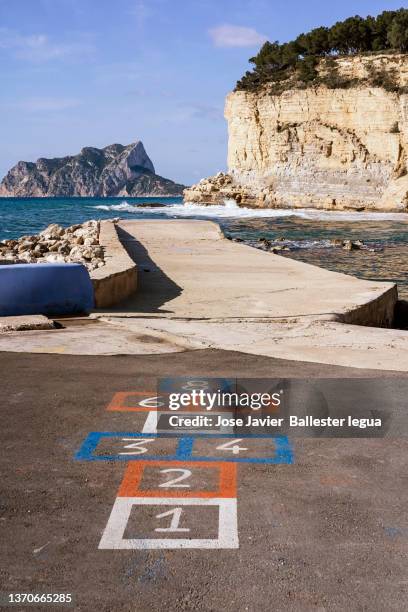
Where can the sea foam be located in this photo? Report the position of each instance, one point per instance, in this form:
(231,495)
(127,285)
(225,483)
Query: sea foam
(231,210)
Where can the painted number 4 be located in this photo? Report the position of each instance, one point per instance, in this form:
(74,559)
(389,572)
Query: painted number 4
(232,446)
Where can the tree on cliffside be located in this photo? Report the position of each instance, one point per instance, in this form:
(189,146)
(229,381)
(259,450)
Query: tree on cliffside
(315,42)
(353,35)
(278,62)
(398,32)
(380,27)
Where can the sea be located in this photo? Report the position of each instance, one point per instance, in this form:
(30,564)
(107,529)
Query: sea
(307,233)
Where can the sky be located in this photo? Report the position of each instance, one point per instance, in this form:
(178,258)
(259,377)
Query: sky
(77,73)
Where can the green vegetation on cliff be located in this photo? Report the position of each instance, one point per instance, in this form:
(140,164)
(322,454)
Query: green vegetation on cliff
(297,60)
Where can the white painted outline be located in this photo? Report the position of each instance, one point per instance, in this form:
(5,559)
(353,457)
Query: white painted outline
(152,419)
(112,537)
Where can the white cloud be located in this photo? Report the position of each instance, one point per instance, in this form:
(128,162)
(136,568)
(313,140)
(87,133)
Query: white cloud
(38,47)
(47,104)
(236,36)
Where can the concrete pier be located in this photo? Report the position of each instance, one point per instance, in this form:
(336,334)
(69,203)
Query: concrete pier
(197,290)
(188,270)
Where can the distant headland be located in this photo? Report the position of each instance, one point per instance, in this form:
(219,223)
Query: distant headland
(115,170)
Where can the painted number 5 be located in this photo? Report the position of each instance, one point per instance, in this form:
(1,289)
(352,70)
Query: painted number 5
(138,449)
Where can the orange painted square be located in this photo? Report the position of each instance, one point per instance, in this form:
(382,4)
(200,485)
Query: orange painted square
(120,398)
(119,403)
(227,481)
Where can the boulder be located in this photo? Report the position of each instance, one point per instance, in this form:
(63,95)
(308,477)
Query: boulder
(52,232)
(349,245)
(77,243)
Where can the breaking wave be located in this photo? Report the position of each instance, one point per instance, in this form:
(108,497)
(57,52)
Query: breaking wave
(231,210)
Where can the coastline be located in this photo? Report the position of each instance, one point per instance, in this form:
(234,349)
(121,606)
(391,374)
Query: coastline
(308,232)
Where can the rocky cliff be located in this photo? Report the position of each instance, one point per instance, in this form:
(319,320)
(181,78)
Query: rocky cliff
(116,170)
(335,147)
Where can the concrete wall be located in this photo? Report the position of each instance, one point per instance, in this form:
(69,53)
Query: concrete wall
(116,280)
(378,312)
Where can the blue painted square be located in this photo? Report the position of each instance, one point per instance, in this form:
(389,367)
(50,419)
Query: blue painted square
(283,452)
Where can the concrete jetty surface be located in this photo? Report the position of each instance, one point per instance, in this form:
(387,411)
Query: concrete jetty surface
(187,269)
(198,290)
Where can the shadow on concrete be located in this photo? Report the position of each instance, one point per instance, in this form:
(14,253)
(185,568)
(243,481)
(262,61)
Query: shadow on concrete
(401,315)
(154,287)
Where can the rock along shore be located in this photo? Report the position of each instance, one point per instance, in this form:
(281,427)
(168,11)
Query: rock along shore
(56,244)
(333,148)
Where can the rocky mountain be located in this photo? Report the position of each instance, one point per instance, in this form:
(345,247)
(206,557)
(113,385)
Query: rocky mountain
(338,145)
(116,170)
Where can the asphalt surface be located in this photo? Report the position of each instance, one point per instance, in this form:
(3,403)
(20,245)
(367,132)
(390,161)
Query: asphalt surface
(328,532)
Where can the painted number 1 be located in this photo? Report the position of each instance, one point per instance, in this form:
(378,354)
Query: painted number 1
(175,521)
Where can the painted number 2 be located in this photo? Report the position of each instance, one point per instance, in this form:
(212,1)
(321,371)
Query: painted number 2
(175,521)
(174,482)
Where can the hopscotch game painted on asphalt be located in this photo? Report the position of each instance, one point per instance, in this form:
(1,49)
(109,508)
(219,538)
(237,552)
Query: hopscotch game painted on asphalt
(179,489)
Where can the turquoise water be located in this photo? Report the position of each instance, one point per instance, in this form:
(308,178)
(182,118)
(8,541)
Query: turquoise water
(309,240)
(308,232)
(20,216)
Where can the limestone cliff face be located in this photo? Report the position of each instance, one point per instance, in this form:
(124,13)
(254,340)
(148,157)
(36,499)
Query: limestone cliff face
(116,170)
(342,148)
